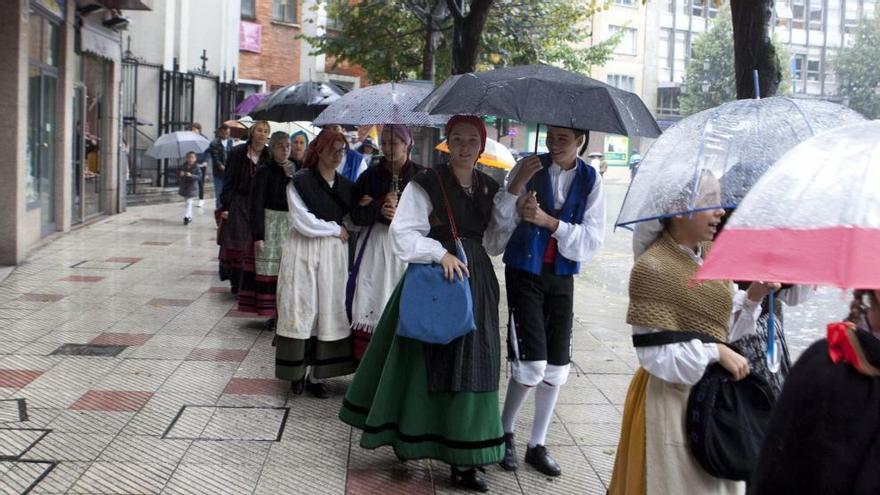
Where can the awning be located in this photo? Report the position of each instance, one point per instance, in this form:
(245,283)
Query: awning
(100,41)
(127,4)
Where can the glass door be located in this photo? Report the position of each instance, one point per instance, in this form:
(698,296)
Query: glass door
(78,154)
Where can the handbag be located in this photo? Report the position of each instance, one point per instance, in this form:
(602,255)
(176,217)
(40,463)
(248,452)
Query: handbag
(433,309)
(725,420)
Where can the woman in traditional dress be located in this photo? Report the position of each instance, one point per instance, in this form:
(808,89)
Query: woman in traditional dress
(428,400)
(376,269)
(653,455)
(235,232)
(299,141)
(312,328)
(269,223)
(824,434)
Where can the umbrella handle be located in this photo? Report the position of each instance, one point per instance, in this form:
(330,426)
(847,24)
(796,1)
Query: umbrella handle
(773,354)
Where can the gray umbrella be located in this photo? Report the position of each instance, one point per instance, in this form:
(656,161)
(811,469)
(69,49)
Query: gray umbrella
(389,103)
(178,144)
(546,95)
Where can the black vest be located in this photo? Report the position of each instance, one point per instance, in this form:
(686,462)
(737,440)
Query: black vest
(472,212)
(330,204)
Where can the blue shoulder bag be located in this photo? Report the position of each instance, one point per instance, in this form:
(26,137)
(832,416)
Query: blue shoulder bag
(433,309)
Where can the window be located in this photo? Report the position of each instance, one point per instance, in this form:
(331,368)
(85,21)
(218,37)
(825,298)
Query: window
(713,9)
(798,14)
(284,11)
(850,15)
(680,55)
(667,101)
(248,9)
(627,43)
(670,6)
(626,83)
(665,48)
(797,73)
(697,8)
(816,15)
(628,3)
(333,9)
(813,70)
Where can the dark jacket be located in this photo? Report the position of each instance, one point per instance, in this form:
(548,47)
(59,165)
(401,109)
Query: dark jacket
(376,183)
(239,173)
(269,191)
(328,203)
(219,152)
(189,185)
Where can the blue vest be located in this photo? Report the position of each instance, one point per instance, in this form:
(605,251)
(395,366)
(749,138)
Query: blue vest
(525,249)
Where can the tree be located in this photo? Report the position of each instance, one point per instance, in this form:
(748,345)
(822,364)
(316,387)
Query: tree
(754,48)
(395,39)
(710,78)
(857,69)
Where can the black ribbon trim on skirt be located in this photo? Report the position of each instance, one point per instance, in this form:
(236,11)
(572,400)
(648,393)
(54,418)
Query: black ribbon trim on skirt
(317,362)
(429,437)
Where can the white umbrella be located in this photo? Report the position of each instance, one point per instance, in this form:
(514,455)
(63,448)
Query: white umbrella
(178,144)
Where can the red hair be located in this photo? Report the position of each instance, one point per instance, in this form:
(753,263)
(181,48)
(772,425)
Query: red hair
(470,120)
(324,140)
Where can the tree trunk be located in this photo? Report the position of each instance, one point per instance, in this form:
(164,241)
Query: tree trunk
(753,48)
(433,25)
(467,31)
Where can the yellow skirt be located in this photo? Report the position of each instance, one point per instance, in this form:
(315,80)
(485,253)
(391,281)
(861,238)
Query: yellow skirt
(630,475)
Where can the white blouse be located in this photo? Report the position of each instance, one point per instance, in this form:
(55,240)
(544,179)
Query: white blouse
(304,221)
(410,226)
(685,362)
(577,242)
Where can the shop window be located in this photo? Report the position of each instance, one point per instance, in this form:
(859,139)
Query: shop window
(284,11)
(248,9)
(626,83)
(667,101)
(627,43)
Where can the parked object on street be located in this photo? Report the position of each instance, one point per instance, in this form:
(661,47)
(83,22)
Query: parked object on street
(389,103)
(737,142)
(825,198)
(178,144)
(301,101)
(544,94)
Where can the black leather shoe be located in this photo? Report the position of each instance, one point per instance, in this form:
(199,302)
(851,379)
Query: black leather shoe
(469,479)
(317,390)
(269,325)
(509,463)
(538,458)
(297,386)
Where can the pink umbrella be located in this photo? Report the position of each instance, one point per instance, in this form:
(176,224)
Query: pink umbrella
(249,103)
(813,218)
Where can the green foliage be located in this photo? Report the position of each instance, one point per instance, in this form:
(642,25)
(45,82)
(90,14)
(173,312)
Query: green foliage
(715,46)
(857,68)
(387,37)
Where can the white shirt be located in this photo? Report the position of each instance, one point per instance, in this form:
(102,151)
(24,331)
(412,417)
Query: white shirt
(577,242)
(410,226)
(304,221)
(685,362)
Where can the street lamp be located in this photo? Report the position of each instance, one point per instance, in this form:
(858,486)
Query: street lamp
(707,66)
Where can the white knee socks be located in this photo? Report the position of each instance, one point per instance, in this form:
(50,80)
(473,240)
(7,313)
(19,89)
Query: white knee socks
(517,394)
(545,401)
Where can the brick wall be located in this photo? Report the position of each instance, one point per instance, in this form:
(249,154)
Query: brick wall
(278,61)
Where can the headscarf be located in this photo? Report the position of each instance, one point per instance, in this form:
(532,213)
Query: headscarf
(299,133)
(402,132)
(471,120)
(323,141)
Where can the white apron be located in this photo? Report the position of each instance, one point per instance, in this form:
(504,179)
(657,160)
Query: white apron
(379,273)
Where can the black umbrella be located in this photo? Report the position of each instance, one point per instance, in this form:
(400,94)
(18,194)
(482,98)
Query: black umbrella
(546,95)
(301,101)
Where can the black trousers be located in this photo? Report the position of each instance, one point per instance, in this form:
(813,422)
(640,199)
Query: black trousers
(202,182)
(541,307)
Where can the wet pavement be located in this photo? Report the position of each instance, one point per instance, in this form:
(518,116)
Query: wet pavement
(125,369)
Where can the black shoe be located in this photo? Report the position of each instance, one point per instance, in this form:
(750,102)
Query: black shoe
(468,478)
(187,220)
(297,386)
(233,289)
(509,463)
(538,458)
(269,325)
(317,390)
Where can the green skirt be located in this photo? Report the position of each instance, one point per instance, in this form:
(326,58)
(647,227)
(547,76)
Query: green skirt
(389,400)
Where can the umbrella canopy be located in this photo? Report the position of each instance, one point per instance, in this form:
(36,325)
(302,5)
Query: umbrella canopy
(735,142)
(814,218)
(301,101)
(545,95)
(178,144)
(495,155)
(249,103)
(389,103)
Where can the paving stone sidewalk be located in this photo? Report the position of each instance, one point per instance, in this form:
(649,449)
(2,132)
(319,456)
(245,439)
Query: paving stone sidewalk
(125,369)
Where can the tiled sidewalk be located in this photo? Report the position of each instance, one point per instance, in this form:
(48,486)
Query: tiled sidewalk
(125,369)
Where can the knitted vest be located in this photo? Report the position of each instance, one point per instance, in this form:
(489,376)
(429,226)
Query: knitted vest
(661,294)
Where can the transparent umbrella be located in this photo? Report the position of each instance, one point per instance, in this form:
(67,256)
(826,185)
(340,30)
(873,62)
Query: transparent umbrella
(389,103)
(735,142)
